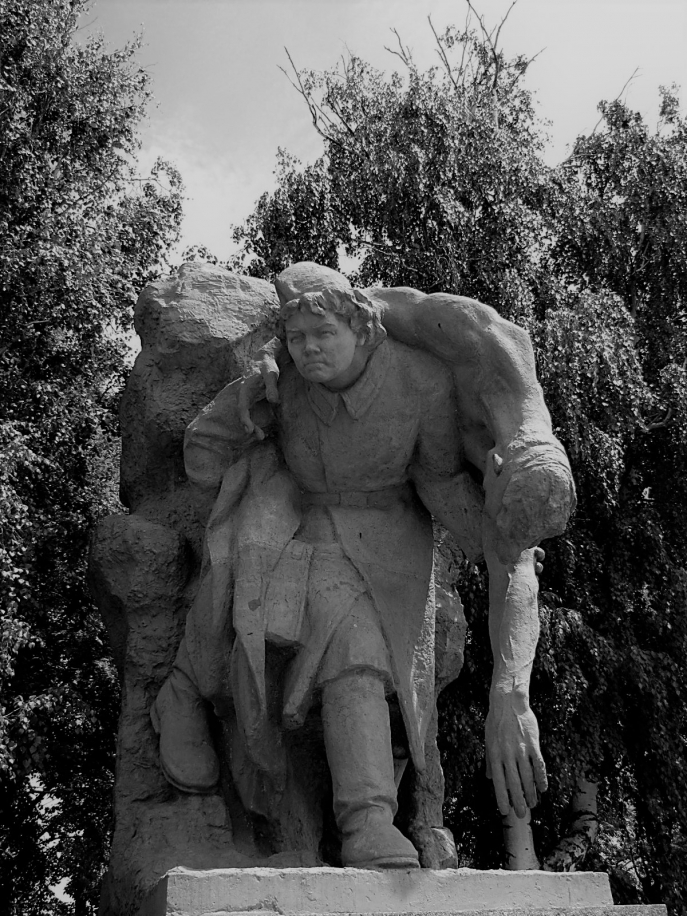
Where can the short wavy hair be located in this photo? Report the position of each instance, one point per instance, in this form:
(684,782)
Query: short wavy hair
(351,305)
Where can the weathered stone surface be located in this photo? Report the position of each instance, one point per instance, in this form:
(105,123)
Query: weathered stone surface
(296,892)
(198,331)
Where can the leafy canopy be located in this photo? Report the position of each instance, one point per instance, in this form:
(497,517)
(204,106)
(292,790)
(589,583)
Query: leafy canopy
(80,234)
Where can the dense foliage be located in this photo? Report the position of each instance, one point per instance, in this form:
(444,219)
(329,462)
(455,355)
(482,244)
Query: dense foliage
(435,180)
(80,234)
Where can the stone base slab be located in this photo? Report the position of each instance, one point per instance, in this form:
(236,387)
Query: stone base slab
(348,891)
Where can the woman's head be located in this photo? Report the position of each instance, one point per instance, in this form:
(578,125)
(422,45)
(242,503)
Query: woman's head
(330,335)
(350,305)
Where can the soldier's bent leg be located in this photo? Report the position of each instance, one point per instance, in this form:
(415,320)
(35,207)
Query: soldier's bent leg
(179,715)
(357,736)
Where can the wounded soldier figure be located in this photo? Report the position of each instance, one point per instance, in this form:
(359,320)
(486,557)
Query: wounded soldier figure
(322,471)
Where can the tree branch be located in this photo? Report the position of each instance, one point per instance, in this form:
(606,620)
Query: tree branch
(403,53)
(442,53)
(627,83)
(319,116)
(503,21)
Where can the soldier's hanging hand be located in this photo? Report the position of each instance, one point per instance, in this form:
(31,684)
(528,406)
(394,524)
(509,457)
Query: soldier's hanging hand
(514,760)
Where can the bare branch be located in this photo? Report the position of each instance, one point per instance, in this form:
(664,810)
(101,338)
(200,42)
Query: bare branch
(320,118)
(488,38)
(300,89)
(442,53)
(334,107)
(533,58)
(396,54)
(465,45)
(403,53)
(316,111)
(480,19)
(627,83)
(634,73)
(498,31)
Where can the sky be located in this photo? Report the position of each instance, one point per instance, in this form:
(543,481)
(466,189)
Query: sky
(224,106)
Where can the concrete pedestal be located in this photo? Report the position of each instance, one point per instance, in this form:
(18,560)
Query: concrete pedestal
(347,891)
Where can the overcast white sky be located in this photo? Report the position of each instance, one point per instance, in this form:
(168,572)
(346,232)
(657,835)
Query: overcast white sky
(224,106)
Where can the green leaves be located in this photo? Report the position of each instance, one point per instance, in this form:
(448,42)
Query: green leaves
(80,234)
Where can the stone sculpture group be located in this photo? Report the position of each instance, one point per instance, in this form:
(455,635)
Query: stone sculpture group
(287,637)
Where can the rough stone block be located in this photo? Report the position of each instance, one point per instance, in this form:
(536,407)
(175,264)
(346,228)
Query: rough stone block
(307,891)
(199,330)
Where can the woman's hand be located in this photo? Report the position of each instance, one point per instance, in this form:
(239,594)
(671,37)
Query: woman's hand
(257,385)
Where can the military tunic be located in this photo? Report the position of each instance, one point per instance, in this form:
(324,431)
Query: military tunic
(369,464)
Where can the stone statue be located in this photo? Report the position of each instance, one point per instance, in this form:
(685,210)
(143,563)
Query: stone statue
(316,475)
(321,532)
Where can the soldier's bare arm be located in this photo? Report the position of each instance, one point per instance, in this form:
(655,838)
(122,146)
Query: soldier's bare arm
(507,428)
(514,759)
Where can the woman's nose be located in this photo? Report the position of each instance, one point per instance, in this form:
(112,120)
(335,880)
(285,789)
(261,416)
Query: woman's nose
(310,345)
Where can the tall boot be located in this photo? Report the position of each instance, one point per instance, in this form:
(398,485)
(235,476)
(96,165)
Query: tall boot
(357,737)
(187,756)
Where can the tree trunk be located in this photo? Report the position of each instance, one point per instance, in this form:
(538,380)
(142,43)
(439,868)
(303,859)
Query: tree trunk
(572,849)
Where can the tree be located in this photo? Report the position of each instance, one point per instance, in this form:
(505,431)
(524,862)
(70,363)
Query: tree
(432,179)
(620,254)
(435,180)
(80,234)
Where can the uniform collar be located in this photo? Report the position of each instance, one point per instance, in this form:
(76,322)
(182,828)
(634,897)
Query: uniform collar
(357,399)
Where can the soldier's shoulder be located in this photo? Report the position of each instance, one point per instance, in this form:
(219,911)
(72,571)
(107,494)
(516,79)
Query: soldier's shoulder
(419,367)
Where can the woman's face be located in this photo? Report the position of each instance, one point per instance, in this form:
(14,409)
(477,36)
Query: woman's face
(324,348)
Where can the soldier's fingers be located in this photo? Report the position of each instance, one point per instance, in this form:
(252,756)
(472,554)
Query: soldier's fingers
(527,781)
(515,789)
(500,789)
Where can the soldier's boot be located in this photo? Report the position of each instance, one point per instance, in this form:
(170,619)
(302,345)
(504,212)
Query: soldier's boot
(357,737)
(187,755)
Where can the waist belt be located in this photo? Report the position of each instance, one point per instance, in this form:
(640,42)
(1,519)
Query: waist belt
(359,499)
